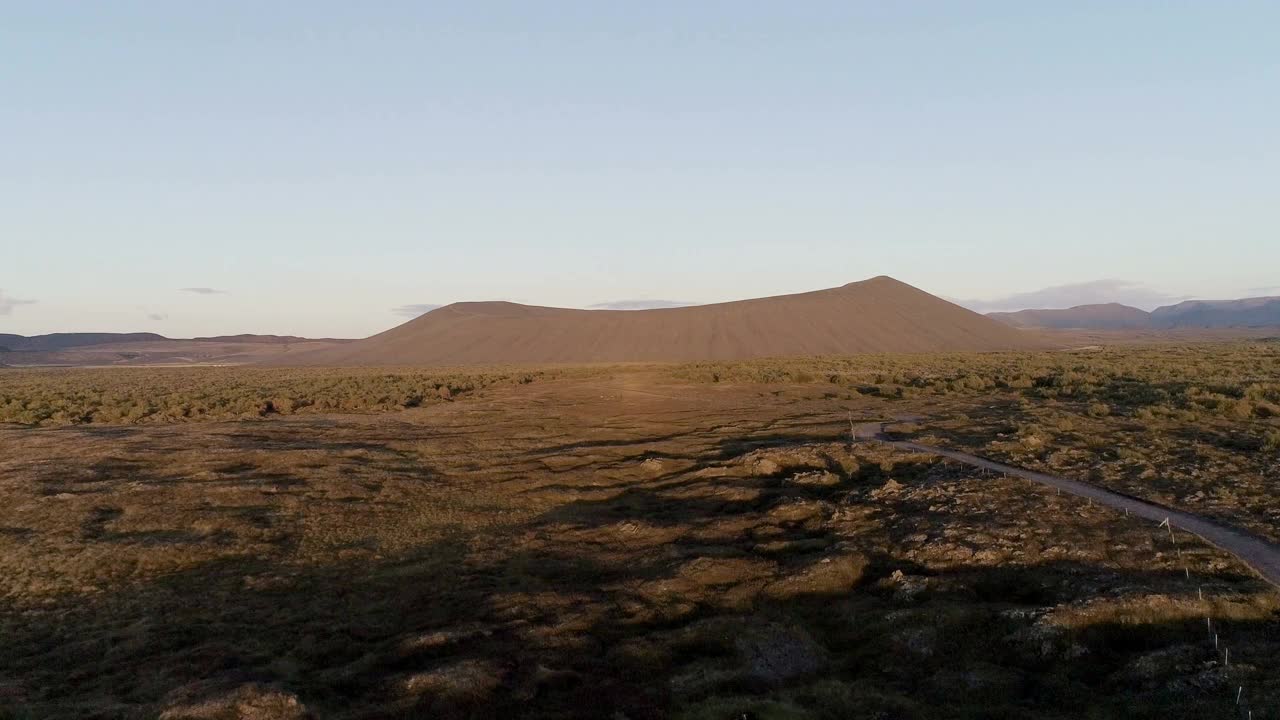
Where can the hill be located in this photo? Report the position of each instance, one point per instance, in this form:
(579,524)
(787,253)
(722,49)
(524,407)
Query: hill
(876,315)
(1190,315)
(123,349)
(54,342)
(1108,316)
(1248,312)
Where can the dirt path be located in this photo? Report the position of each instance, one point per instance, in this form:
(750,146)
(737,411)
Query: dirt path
(1262,556)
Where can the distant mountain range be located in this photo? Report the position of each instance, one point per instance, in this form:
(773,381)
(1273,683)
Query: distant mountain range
(1246,313)
(1249,312)
(61,341)
(1111,316)
(272,339)
(56,342)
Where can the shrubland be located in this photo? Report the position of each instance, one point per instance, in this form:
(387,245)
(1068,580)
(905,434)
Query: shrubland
(1236,381)
(1193,426)
(636,543)
(159,395)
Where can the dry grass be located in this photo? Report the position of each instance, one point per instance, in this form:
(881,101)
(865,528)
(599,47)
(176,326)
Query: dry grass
(1195,427)
(614,543)
(47,397)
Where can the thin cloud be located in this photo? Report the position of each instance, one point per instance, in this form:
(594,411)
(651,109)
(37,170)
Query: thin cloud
(640,304)
(413,311)
(1125,292)
(158,316)
(203,291)
(7,303)
(1267,290)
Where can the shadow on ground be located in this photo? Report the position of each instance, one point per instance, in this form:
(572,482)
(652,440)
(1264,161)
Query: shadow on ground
(294,569)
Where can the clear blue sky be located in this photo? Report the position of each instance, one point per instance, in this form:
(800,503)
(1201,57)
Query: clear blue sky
(322,163)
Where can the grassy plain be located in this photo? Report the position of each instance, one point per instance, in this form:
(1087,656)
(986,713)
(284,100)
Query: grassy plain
(52,397)
(1191,426)
(696,541)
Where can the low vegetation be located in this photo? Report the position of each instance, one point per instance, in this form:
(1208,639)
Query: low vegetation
(1195,426)
(697,542)
(152,395)
(1233,381)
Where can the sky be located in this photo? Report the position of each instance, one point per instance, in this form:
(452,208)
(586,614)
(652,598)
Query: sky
(332,168)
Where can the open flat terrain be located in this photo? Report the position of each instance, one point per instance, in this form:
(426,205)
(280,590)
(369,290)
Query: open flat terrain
(692,541)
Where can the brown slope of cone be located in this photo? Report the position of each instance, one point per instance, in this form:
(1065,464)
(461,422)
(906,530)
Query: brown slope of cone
(876,315)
